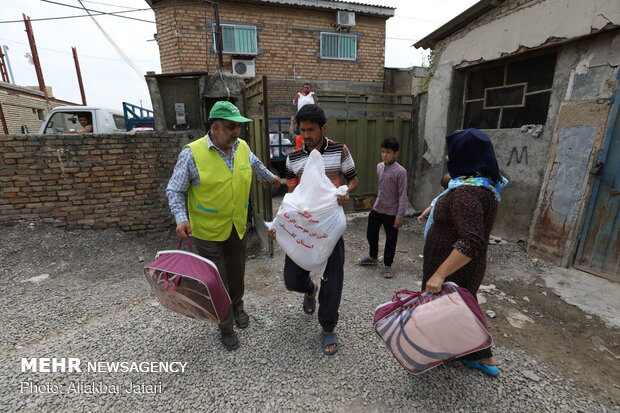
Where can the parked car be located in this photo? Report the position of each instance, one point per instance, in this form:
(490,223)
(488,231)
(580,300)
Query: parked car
(65,119)
(90,119)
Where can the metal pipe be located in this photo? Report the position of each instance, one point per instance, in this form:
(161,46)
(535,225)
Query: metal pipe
(35,56)
(79,75)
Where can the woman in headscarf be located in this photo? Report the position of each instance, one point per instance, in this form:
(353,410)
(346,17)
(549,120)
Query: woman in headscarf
(459,226)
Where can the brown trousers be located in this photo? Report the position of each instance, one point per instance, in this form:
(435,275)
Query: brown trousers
(229,257)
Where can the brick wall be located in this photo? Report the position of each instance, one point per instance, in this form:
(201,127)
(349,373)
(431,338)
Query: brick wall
(88,182)
(288,40)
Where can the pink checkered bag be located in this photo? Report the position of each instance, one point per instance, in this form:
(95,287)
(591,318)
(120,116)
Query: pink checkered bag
(425,330)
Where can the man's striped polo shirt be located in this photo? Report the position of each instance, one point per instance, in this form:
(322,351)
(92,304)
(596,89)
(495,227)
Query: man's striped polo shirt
(336,157)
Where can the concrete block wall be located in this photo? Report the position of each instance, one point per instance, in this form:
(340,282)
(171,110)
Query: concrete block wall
(288,40)
(88,182)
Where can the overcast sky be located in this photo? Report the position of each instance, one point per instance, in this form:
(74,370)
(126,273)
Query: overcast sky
(109,80)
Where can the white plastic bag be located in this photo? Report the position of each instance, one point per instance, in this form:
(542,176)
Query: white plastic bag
(310,222)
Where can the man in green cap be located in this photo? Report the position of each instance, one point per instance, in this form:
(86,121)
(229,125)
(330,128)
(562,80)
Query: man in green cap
(209,195)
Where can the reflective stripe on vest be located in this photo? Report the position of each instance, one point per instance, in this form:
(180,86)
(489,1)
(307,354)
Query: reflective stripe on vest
(221,199)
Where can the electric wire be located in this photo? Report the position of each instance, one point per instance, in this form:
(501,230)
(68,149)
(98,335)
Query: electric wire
(69,53)
(112,5)
(96,11)
(116,14)
(116,47)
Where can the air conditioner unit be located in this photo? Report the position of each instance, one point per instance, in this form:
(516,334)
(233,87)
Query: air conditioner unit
(243,68)
(345,19)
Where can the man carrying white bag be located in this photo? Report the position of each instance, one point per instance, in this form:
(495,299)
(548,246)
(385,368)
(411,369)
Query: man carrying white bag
(310,222)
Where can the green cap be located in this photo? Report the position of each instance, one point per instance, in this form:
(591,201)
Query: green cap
(226,110)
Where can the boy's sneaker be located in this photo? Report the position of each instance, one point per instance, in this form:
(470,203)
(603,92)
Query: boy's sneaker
(388,272)
(368,261)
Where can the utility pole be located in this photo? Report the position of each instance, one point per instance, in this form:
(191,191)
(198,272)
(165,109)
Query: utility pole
(79,75)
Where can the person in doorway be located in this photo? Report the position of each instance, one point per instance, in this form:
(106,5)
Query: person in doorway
(338,164)
(389,208)
(208,195)
(305,97)
(459,225)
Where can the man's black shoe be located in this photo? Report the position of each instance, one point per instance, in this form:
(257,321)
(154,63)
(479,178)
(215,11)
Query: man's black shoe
(242,319)
(230,341)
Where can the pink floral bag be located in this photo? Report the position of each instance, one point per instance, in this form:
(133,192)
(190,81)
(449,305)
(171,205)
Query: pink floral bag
(426,330)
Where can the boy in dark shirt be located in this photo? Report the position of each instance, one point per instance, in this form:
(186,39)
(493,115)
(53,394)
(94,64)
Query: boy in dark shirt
(389,208)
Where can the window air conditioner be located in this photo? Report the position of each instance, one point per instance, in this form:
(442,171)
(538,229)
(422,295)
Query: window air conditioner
(243,68)
(345,19)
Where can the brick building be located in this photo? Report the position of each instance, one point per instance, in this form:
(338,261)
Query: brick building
(333,45)
(22,109)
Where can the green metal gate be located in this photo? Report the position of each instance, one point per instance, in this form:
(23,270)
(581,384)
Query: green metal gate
(367,119)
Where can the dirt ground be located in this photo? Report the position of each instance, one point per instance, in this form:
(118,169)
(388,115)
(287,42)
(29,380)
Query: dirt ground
(529,316)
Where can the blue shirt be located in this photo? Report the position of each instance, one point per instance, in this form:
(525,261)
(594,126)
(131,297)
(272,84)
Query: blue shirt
(186,173)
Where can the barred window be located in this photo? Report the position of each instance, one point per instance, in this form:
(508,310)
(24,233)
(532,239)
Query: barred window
(509,95)
(237,39)
(338,46)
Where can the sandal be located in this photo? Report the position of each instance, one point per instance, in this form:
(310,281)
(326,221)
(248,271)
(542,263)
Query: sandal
(328,340)
(485,368)
(368,261)
(388,272)
(309,304)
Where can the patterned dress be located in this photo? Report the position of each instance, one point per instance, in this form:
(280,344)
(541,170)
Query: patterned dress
(463,220)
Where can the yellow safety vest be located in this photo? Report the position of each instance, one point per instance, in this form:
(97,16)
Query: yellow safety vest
(222,196)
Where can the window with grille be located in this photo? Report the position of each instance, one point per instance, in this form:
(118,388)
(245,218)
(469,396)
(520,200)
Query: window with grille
(338,46)
(509,95)
(237,39)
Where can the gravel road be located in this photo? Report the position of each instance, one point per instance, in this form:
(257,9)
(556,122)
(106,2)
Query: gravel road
(82,295)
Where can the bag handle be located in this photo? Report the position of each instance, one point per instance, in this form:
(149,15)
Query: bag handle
(189,244)
(396,298)
(169,283)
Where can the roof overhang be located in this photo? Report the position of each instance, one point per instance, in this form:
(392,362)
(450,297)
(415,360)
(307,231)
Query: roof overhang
(460,21)
(383,11)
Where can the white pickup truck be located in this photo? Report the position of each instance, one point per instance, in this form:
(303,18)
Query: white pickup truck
(66,119)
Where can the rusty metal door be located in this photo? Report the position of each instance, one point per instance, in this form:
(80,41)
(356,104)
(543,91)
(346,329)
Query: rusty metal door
(255,105)
(599,248)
